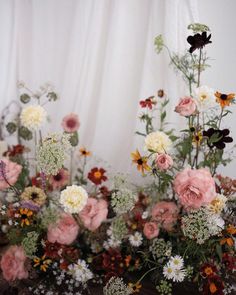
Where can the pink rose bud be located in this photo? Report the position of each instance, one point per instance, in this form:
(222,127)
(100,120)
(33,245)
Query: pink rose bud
(150,230)
(186,106)
(164,161)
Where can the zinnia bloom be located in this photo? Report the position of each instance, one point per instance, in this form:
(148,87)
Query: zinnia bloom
(97,175)
(70,123)
(60,179)
(140,161)
(224,99)
(32,117)
(34,194)
(73,199)
(158,142)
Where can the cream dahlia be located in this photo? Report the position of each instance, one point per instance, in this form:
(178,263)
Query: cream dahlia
(33,117)
(158,142)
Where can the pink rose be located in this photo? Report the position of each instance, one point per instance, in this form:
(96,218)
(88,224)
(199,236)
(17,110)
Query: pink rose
(64,231)
(186,106)
(165,213)
(94,213)
(13,264)
(195,188)
(9,172)
(151,230)
(164,161)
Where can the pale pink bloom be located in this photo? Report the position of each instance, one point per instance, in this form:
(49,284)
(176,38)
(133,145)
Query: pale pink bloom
(150,230)
(60,179)
(195,188)
(70,123)
(94,213)
(13,264)
(165,213)
(186,106)
(164,161)
(64,231)
(10,172)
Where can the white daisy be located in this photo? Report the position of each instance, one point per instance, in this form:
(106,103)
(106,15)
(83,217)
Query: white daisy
(168,271)
(80,271)
(136,239)
(176,262)
(179,275)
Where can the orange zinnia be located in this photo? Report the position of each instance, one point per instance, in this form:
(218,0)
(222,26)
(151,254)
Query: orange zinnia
(140,161)
(224,99)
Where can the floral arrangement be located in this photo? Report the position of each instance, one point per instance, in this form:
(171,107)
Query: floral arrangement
(70,227)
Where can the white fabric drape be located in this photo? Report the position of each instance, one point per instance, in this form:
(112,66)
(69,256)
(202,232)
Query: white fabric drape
(100,56)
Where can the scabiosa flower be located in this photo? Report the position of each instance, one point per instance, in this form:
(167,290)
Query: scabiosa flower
(158,142)
(52,153)
(136,239)
(33,117)
(73,199)
(97,175)
(60,179)
(224,99)
(80,271)
(123,201)
(140,161)
(205,98)
(70,123)
(33,194)
(198,41)
(148,102)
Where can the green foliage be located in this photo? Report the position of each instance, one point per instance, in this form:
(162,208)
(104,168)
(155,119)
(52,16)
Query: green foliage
(25,98)
(25,133)
(11,127)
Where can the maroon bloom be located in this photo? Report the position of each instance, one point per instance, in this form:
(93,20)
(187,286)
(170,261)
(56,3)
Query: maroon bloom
(97,175)
(148,102)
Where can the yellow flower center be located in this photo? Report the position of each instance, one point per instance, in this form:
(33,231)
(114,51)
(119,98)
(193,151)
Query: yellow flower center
(97,174)
(203,96)
(208,271)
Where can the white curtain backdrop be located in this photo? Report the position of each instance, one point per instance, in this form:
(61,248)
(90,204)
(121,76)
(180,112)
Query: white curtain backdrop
(100,56)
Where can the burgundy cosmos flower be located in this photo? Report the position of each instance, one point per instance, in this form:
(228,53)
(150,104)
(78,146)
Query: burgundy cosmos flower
(97,175)
(198,41)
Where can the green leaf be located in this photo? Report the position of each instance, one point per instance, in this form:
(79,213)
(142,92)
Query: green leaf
(25,98)
(11,127)
(25,133)
(52,96)
(219,251)
(163,115)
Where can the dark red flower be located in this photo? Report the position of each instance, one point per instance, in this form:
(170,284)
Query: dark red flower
(53,250)
(198,41)
(208,270)
(214,285)
(104,191)
(113,261)
(97,175)
(15,150)
(148,102)
(229,261)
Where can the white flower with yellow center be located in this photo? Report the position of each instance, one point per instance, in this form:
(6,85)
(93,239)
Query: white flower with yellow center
(33,117)
(205,98)
(168,271)
(136,239)
(73,199)
(158,142)
(218,204)
(176,262)
(80,271)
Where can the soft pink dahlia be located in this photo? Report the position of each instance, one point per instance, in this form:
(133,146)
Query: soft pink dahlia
(70,123)
(195,188)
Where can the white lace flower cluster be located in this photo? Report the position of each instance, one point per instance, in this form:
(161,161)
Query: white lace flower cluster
(174,269)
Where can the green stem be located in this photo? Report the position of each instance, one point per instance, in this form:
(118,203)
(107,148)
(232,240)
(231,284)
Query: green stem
(221,115)
(146,273)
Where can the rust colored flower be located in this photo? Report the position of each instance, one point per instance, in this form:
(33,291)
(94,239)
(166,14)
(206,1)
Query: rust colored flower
(160,93)
(113,262)
(15,150)
(97,175)
(140,161)
(229,261)
(208,270)
(25,216)
(224,99)
(135,287)
(214,286)
(42,263)
(148,102)
(53,250)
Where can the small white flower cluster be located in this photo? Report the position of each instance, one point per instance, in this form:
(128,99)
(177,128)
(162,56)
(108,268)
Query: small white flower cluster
(136,239)
(80,271)
(3,210)
(112,242)
(123,201)
(174,269)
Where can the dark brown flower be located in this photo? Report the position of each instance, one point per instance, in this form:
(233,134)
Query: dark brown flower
(198,41)
(217,138)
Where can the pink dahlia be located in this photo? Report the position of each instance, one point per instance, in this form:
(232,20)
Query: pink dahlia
(60,179)
(70,123)
(195,188)
(9,172)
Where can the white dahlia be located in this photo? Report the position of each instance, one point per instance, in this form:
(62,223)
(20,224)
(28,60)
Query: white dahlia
(33,117)
(158,142)
(73,198)
(204,98)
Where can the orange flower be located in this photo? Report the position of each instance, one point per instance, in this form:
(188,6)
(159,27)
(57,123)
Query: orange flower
(127,260)
(231,230)
(25,215)
(84,152)
(224,99)
(140,161)
(228,241)
(135,287)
